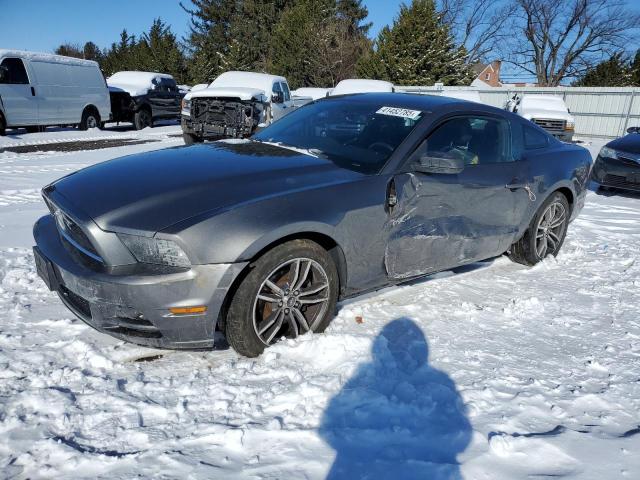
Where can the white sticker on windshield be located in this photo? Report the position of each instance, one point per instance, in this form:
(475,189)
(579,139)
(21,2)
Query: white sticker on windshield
(400,112)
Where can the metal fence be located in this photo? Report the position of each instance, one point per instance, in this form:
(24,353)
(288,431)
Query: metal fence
(599,112)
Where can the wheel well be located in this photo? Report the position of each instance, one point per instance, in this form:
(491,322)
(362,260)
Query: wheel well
(567,193)
(91,108)
(325,241)
(145,106)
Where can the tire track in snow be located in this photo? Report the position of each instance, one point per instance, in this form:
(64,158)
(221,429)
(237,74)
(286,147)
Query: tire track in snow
(13,197)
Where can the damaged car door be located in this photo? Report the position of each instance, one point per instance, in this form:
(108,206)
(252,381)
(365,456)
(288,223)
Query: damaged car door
(461,197)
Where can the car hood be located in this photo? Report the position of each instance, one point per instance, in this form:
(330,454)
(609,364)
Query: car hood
(229,92)
(145,193)
(629,143)
(546,114)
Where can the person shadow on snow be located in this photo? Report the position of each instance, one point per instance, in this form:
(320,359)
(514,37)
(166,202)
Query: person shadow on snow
(398,417)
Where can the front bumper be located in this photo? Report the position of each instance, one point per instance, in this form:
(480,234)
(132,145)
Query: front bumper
(135,307)
(623,173)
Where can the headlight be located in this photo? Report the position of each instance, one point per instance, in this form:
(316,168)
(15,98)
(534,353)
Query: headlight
(155,250)
(186,107)
(570,126)
(607,152)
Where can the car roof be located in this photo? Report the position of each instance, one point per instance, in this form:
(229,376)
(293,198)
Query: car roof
(262,81)
(47,57)
(414,101)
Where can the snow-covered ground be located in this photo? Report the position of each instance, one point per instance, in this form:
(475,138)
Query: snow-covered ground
(495,371)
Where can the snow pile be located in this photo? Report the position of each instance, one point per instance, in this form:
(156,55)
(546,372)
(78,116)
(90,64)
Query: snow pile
(134,83)
(492,371)
(349,86)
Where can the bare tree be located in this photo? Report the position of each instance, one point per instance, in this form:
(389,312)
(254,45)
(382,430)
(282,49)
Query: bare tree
(559,39)
(478,25)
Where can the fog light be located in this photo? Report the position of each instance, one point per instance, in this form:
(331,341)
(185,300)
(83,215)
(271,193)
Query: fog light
(188,310)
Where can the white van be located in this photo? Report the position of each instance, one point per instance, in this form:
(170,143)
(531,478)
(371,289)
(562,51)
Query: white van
(39,89)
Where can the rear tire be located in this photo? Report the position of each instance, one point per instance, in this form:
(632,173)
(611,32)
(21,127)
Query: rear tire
(90,119)
(312,293)
(546,233)
(3,126)
(190,139)
(142,119)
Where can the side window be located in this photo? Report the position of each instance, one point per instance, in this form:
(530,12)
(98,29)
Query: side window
(476,140)
(287,93)
(277,88)
(170,85)
(15,71)
(534,138)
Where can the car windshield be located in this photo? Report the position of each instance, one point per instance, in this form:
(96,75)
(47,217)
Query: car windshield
(355,135)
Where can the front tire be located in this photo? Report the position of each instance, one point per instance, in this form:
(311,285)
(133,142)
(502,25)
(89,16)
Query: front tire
(3,126)
(290,290)
(190,139)
(546,233)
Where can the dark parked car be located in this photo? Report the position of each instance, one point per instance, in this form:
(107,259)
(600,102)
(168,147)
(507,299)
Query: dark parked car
(144,97)
(260,237)
(618,163)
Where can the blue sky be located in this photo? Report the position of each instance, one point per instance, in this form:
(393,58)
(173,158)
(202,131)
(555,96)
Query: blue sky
(42,25)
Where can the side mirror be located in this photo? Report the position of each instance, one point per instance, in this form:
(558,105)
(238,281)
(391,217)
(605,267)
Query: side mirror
(440,164)
(629,130)
(277,97)
(3,73)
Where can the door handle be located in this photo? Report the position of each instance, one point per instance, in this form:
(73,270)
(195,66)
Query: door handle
(524,186)
(33,92)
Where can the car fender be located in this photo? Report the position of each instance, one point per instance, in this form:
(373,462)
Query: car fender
(243,232)
(297,229)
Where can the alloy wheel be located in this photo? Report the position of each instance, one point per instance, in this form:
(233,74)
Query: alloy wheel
(550,230)
(292,300)
(92,122)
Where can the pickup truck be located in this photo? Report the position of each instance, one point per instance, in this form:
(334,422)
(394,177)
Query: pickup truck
(234,105)
(144,97)
(547,111)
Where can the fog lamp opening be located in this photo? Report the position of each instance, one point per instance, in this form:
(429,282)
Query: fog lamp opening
(188,310)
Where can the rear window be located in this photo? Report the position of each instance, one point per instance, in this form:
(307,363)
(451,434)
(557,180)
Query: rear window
(534,138)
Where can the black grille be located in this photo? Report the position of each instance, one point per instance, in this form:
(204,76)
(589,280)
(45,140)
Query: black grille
(225,116)
(629,162)
(134,332)
(620,181)
(76,302)
(550,125)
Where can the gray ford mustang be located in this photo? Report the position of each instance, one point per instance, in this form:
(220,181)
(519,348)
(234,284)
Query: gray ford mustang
(260,237)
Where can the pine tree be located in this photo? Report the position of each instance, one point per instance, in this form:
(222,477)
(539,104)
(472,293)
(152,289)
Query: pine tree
(250,34)
(635,70)
(614,72)
(418,49)
(121,55)
(318,42)
(91,51)
(69,50)
(354,13)
(209,37)
(158,51)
